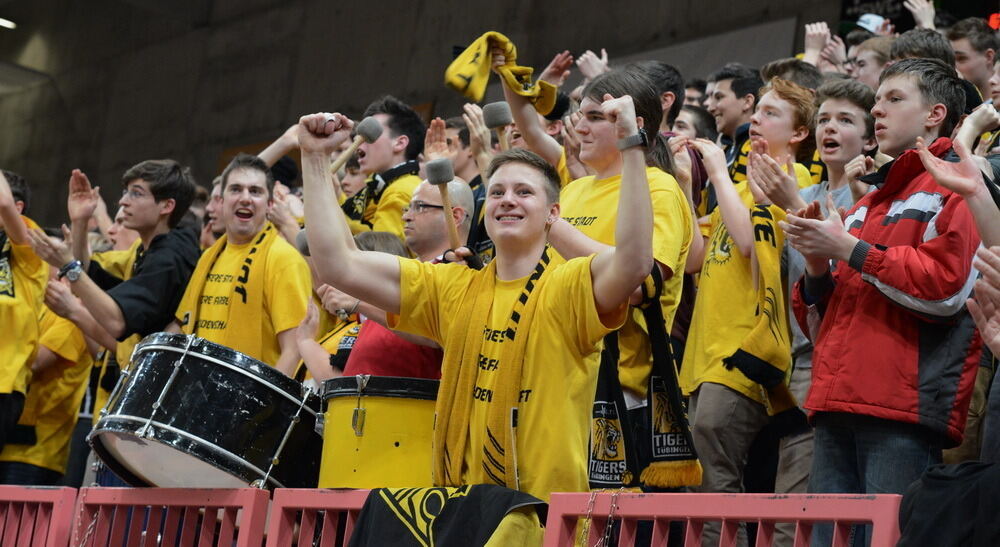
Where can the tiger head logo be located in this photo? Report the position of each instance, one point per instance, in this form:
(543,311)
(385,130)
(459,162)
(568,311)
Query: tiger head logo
(607,438)
(663,415)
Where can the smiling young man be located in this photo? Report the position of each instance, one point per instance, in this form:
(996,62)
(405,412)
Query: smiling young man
(251,288)
(731,102)
(516,388)
(891,386)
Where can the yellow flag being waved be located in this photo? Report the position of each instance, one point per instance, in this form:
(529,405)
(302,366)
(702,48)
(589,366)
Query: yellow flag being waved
(469,73)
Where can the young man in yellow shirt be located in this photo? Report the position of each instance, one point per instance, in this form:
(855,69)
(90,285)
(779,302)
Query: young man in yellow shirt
(589,209)
(22,287)
(250,289)
(727,407)
(391,166)
(516,385)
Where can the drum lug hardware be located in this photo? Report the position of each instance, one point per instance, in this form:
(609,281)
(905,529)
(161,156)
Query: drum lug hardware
(320,423)
(358,418)
(276,459)
(143,432)
(358,421)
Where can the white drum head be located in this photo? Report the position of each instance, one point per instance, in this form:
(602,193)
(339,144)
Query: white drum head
(165,467)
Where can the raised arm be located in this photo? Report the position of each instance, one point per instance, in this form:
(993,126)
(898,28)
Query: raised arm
(734,213)
(82,203)
(526,118)
(10,217)
(370,276)
(284,144)
(618,271)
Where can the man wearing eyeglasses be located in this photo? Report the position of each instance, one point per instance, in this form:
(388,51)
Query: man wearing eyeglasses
(424,228)
(383,352)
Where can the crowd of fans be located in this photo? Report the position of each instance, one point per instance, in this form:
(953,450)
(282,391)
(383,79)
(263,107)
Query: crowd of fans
(783,278)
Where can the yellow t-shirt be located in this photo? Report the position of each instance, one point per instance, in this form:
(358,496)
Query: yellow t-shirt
(119,264)
(724,312)
(54,397)
(389,211)
(23,276)
(558,381)
(591,206)
(287,290)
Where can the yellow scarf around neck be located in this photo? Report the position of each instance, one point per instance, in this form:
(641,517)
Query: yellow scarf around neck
(244,326)
(469,73)
(459,372)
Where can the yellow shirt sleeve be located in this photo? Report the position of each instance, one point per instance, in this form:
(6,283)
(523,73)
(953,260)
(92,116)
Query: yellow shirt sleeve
(672,224)
(64,339)
(803,175)
(570,289)
(289,287)
(429,297)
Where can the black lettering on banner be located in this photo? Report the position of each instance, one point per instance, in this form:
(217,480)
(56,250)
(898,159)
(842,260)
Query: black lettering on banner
(765,231)
(246,273)
(206,299)
(242,292)
(211,325)
(486,363)
(524,396)
(221,301)
(493,335)
(482,394)
(581,221)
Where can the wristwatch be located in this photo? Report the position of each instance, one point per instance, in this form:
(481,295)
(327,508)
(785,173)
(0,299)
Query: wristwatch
(639,139)
(71,271)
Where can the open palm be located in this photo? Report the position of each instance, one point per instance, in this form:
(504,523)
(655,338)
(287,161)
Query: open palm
(963,177)
(83,199)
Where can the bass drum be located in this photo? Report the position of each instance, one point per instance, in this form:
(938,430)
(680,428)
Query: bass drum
(190,413)
(377,432)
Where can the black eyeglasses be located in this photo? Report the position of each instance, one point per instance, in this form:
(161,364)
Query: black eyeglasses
(419,207)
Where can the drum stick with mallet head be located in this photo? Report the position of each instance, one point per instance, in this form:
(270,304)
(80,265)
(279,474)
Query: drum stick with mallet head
(301,243)
(439,173)
(497,117)
(369,130)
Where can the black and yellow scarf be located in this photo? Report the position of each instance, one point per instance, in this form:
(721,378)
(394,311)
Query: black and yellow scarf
(666,458)
(458,380)
(246,302)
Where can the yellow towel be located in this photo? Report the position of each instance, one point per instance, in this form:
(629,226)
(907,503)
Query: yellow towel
(246,299)
(469,73)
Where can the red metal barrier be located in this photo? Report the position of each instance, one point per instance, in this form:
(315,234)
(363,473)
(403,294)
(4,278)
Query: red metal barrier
(36,516)
(842,510)
(326,515)
(129,517)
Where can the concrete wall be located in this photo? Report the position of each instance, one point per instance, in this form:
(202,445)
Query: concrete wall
(128,81)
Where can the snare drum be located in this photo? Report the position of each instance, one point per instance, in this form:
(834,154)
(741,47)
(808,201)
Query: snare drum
(377,432)
(190,413)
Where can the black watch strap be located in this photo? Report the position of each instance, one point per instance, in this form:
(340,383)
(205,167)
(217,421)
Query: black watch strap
(639,139)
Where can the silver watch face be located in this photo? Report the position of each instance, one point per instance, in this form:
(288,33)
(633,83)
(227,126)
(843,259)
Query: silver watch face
(74,274)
